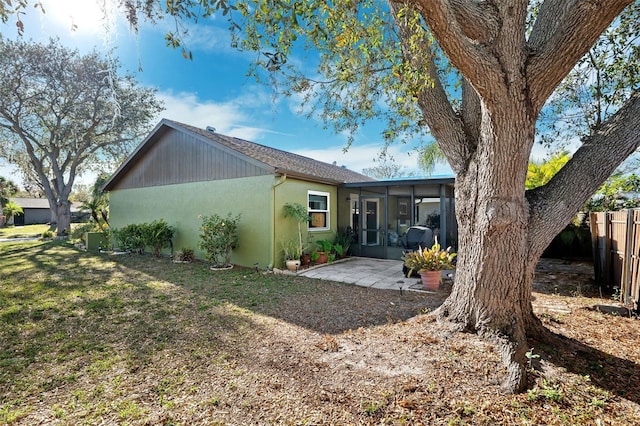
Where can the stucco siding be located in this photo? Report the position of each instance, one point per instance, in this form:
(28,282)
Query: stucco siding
(182,205)
(296,191)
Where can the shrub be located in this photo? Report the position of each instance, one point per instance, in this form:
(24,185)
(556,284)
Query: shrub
(185,255)
(136,237)
(433,259)
(47,234)
(157,235)
(130,238)
(218,237)
(79,232)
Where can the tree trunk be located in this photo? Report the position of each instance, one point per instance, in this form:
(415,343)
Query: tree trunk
(492,290)
(63,215)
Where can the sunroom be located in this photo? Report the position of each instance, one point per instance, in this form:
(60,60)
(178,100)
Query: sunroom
(379,213)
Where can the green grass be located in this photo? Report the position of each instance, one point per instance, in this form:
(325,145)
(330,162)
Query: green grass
(71,320)
(24,231)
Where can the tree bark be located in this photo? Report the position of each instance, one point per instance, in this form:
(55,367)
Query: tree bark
(501,230)
(492,290)
(63,213)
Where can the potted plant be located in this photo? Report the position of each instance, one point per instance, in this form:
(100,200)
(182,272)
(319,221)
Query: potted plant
(428,263)
(300,214)
(323,251)
(292,253)
(186,255)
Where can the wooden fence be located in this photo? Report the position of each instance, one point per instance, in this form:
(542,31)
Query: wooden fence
(616,252)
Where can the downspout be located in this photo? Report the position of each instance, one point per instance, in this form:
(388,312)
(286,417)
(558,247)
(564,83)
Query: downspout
(272,255)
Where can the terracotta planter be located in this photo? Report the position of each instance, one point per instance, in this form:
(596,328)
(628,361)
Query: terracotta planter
(293,265)
(322,257)
(431,279)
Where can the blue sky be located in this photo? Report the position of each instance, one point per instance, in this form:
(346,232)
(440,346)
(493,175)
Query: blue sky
(210,90)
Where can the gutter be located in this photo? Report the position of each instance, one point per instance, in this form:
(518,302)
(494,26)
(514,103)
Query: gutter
(280,181)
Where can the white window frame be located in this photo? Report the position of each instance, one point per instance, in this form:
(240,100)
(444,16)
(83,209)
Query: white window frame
(327,212)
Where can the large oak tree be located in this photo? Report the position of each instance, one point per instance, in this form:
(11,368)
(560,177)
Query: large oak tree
(398,61)
(63,113)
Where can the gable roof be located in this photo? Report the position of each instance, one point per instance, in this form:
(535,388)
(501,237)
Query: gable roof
(275,160)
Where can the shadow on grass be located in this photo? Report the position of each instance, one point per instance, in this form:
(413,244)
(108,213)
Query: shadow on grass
(613,374)
(320,306)
(63,306)
(82,309)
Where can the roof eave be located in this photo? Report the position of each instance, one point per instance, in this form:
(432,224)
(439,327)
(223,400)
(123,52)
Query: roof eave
(306,177)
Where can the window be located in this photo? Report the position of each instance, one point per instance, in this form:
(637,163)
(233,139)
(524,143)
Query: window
(318,210)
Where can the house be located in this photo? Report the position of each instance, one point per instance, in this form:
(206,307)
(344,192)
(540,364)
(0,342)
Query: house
(37,211)
(180,173)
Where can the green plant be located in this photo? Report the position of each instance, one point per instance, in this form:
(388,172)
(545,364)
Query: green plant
(11,209)
(530,357)
(429,259)
(185,255)
(343,240)
(325,246)
(291,250)
(157,235)
(218,237)
(338,250)
(47,234)
(78,233)
(130,238)
(300,214)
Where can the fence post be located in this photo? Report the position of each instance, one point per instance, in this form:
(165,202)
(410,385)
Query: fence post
(625,292)
(595,247)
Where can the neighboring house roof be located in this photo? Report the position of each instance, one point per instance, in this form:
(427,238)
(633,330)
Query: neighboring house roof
(277,161)
(39,203)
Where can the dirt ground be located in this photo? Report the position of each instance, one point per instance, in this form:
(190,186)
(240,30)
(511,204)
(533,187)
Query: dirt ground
(396,367)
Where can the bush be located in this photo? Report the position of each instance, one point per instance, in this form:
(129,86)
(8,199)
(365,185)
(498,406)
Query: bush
(130,238)
(135,238)
(218,237)
(185,255)
(47,234)
(79,232)
(157,235)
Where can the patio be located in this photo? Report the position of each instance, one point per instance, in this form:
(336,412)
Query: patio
(383,274)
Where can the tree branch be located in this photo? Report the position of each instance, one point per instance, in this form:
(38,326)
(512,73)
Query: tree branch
(563,32)
(471,110)
(444,124)
(599,156)
(455,23)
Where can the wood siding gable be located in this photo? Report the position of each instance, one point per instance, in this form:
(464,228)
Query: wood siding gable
(172,156)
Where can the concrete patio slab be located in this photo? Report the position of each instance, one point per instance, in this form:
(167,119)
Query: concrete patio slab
(382,274)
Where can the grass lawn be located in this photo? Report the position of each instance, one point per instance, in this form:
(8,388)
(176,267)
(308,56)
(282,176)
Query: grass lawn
(100,339)
(24,231)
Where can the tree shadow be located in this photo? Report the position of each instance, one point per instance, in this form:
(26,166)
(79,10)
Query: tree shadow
(617,375)
(79,312)
(565,278)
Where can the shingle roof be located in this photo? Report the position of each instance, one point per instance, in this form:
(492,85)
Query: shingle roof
(281,161)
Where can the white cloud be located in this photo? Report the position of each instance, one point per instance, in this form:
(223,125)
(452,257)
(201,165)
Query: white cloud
(231,118)
(359,157)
